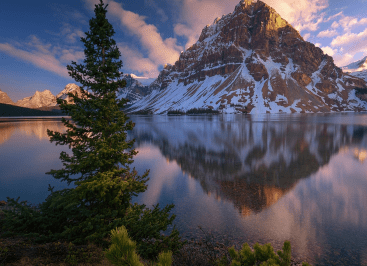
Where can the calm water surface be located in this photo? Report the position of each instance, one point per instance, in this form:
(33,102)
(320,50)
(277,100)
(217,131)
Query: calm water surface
(253,178)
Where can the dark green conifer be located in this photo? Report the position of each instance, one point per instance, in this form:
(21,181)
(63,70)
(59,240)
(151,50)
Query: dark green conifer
(100,159)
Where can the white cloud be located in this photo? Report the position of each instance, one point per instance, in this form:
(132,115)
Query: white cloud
(328,50)
(351,39)
(327,33)
(342,59)
(348,45)
(347,23)
(317,44)
(306,36)
(40,57)
(335,25)
(334,16)
(136,61)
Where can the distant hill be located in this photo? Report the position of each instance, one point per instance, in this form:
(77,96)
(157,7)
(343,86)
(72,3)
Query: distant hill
(12,110)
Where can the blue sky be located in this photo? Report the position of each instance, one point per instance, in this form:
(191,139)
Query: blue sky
(39,38)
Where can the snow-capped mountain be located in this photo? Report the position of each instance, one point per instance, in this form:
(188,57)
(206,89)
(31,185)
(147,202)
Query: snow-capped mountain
(47,99)
(39,99)
(359,65)
(70,88)
(357,69)
(252,60)
(134,90)
(4,98)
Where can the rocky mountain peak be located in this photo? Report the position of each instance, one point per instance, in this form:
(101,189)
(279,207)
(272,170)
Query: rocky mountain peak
(4,98)
(39,99)
(69,88)
(253,61)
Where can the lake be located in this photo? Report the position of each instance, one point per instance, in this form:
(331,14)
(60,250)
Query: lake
(246,178)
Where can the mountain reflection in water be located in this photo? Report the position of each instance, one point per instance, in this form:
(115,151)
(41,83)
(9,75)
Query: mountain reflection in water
(299,178)
(250,163)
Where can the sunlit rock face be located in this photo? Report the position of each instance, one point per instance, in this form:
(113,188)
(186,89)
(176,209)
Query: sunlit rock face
(250,164)
(47,99)
(70,88)
(4,98)
(39,99)
(252,60)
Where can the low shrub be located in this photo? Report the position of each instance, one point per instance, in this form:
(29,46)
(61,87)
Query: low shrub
(123,251)
(202,111)
(175,112)
(262,255)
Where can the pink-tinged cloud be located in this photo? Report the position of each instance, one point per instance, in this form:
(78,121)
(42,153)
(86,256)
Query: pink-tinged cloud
(135,61)
(342,59)
(328,50)
(335,25)
(334,16)
(306,36)
(358,40)
(347,23)
(41,58)
(327,33)
(159,51)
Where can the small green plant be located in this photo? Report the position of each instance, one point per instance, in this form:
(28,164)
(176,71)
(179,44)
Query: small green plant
(262,255)
(122,250)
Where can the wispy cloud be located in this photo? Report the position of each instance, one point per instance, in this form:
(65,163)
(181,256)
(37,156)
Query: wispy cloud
(327,33)
(347,23)
(328,50)
(41,58)
(136,61)
(348,39)
(306,36)
(334,16)
(44,56)
(158,10)
(68,33)
(348,45)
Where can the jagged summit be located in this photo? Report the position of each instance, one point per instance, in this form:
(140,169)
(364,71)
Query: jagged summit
(4,98)
(252,60)
(69,88)
(39,99)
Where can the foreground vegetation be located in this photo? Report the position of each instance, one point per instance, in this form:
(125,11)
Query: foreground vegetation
(17,250)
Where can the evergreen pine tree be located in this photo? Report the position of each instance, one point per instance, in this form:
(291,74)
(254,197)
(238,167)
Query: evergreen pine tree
(100,159)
